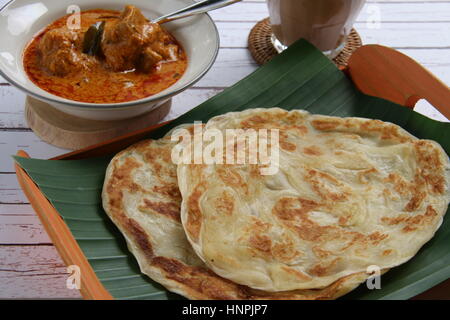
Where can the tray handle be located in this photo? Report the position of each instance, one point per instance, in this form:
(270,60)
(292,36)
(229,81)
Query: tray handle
(66,245)
(386,73)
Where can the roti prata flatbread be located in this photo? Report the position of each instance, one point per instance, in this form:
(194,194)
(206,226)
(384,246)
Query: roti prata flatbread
(141,197)
(349,193)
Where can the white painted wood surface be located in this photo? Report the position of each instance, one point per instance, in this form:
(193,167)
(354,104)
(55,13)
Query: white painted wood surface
(30,267)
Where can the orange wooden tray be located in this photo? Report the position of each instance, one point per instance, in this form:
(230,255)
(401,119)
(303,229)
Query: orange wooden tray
(375,70)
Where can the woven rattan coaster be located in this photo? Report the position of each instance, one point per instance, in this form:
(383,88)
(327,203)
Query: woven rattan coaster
(262,50)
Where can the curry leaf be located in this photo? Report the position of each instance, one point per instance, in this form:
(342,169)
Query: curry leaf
(92,38)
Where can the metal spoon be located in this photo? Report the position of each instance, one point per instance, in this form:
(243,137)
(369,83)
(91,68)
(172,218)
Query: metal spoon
(196,8)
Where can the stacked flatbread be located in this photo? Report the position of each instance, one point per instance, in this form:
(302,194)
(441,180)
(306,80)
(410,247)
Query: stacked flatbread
(348,193)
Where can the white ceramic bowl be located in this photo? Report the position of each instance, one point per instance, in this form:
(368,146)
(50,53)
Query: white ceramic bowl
(20,20)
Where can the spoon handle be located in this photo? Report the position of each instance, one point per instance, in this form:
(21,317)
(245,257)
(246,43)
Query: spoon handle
(196,8)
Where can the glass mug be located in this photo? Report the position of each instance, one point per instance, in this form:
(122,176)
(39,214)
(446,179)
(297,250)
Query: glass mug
(324,23)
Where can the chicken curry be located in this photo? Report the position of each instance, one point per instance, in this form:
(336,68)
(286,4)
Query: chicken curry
(113,57)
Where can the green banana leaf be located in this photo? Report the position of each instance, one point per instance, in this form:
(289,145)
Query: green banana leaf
(300,78)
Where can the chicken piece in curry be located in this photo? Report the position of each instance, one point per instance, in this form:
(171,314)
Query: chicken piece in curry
(113,57)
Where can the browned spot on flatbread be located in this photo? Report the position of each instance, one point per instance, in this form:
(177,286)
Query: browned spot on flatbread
(265,120)
(158,157)
(376,237)
(224,204)
(362,175)
(312,151)
(287,146)
(168,265)
(198,281)
(325,124)
(285,252)
(284,143)
(194,214)
(352,238)
(412,221)
(141,146)
(415,189)
(319,180)
(261,243)
(254,122)
(320,252)
(425,218)
(303,130)
(324,269)
(201,283)
(121,176)
(298,274)
(428,157)
(170,189)
(385,130)
(232,178)
(281,120)
(139,235)
(401,186)
(259,226)
(343,220)
(294,214)
(287,208)
(415,201)
(283,249)
(121,179)
(169,209)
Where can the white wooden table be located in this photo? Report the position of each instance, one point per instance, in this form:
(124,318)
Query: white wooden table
(29,264)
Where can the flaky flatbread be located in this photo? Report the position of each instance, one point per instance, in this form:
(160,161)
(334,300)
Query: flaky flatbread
(349,193)
(141,196)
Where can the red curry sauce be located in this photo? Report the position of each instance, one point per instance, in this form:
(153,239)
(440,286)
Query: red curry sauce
(99,84)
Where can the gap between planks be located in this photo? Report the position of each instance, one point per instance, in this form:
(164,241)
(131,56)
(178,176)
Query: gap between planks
(30,272)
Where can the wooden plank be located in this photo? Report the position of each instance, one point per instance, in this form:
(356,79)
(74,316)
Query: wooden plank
(368,1)
(31,272)
(10,192)
(231,66)
(11,141)
(189,99)
(391,11)
(395,35)
(12,106)
(16,210)
(22,230)
(407,35)
(19,224)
